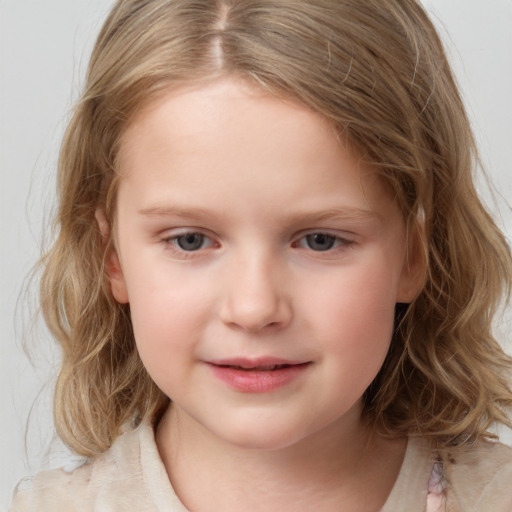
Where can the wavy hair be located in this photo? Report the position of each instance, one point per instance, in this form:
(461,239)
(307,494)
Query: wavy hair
(377,70)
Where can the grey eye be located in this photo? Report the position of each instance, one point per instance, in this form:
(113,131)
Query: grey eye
(320,241)
(190,241)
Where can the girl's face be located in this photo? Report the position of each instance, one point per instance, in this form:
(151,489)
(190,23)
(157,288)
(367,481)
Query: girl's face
(262,263)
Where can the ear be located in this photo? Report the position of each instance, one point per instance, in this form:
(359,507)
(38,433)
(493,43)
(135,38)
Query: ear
(412,277)
(113,269)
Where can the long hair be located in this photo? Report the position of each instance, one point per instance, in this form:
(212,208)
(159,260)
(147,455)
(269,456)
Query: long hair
(378,72)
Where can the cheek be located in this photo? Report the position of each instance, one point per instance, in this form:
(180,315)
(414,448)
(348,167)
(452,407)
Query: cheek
(353,318)
(356,304)
(171,309)
(165,317)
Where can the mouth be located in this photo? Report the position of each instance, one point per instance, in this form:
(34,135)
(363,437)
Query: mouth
(258,376)
(258,365)
(263,368)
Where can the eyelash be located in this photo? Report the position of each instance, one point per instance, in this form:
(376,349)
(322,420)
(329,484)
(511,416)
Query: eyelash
(173,242)
(336,242)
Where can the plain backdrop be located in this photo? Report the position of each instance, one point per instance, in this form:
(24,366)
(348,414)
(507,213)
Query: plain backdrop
(44,48)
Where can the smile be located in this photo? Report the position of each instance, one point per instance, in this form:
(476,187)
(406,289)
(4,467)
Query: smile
(247,376)
(267,368)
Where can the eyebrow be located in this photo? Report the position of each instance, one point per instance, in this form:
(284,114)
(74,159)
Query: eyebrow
(342,213)
(176,211)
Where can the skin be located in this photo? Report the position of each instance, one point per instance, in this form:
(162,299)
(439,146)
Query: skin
(255,182)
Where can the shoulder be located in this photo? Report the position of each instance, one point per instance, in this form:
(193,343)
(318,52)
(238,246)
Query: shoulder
(479,477)
(113,477)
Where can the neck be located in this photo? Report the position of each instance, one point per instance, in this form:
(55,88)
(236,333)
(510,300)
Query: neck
(337,465)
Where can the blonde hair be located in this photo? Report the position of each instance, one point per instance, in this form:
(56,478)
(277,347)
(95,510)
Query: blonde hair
(377,70)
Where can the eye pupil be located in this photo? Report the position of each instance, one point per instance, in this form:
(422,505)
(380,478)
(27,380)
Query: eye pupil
(190,241)
(320,241)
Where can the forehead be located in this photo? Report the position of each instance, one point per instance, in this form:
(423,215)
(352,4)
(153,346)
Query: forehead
(230,136)
(195,111)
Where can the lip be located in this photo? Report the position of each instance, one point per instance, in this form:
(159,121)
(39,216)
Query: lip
(259,375)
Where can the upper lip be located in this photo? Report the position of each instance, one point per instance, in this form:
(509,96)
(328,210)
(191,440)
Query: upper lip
(258,362)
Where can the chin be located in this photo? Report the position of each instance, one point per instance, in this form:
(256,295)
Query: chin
(257,442)
(261,436)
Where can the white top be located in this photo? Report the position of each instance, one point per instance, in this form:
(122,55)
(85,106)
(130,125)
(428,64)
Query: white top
(131,476)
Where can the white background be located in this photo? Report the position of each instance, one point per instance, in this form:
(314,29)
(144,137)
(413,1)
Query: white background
(44,47)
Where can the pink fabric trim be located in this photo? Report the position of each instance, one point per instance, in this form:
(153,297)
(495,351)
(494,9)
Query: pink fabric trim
(436,497)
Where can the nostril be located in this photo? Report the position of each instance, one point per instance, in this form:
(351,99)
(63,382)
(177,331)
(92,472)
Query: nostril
(255,321)
(254,299)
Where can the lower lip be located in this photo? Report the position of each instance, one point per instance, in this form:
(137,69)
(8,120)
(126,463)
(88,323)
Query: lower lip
(254,381)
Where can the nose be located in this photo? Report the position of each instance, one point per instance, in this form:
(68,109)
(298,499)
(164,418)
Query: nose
(255,298)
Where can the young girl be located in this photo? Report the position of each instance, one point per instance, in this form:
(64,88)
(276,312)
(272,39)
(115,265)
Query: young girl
(273,282)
